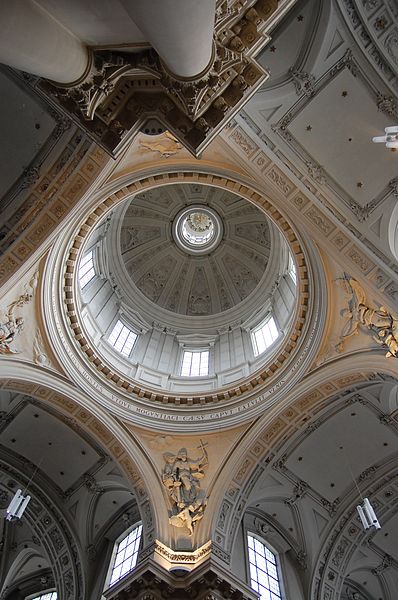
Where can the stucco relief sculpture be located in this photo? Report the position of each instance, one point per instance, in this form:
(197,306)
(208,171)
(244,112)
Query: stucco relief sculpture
(11,325)
(382,323)
(181,476)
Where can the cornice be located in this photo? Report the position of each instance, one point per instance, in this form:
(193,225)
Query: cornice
(151,406)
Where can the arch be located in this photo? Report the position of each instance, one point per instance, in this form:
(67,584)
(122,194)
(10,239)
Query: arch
(345,537)
(60,545)
(24,556)
(257,449)
(55,391)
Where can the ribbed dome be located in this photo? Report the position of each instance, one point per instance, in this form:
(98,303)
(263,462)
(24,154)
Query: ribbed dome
(194,250)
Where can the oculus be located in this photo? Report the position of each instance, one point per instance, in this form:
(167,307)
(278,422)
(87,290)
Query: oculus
(198,230)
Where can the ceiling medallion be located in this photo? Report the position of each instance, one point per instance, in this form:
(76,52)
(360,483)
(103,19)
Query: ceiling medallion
(197,230)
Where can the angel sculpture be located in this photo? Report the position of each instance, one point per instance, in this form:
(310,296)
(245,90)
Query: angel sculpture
(382,323)
(10,325)
(181,476)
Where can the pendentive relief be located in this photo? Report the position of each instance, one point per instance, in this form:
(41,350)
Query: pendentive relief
(380,321)
(181,476)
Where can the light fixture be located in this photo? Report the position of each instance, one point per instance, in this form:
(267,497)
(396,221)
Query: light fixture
(17,506)
(390,138)
(368,515)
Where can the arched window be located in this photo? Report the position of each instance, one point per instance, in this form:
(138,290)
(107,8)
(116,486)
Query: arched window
(49,595)
(125,554)
(263,565)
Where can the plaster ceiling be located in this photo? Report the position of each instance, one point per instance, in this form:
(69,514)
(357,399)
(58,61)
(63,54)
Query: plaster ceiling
(323,104)
(25,125)
(180,281)
(339,449)
(351,442)
(343,118)
(288,39)
(67,468)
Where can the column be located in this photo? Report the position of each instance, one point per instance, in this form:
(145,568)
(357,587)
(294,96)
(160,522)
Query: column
(181,31)
(31,40)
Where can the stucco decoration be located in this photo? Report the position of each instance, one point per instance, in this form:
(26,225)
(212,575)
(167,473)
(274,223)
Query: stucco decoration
(166,145)
(382,323)
(11,325)
(122,91)
(193,250)
(181,476)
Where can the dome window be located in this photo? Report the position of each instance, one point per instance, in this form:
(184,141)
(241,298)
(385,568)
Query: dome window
(195,363)
(264,336)
(86,269)
(122,338)
(264,577)
(291,269)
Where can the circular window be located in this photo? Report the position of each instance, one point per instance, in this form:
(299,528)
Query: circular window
(197,229)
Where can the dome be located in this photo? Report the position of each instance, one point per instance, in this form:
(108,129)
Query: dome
(202,259)
(186,287)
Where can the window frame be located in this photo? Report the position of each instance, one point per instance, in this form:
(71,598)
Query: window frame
(114,553)
(260,327)
(191,350)
(278,563)
(92,267)
(41,594)
(292,269)
(131,331)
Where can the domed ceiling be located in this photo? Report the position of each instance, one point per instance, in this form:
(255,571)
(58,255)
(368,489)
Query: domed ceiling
(194,250)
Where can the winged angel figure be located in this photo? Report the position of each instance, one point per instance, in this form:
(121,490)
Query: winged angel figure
(181,476)
(11,325)
(382,323)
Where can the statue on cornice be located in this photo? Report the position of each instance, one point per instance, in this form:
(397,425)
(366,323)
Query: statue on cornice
(181,476)
(382,323)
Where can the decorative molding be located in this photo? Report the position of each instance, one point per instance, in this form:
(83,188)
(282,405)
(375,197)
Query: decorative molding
(316,171)
(48,202)
(378,41)
(134,387)
(124,90)
(97,430)
(284,427)
(174,557)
